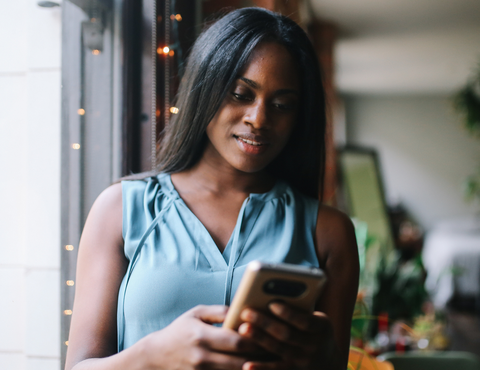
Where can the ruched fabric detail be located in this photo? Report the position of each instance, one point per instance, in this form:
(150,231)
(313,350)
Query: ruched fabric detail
(174,264)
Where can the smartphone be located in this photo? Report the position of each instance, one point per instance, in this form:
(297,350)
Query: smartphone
(263,283)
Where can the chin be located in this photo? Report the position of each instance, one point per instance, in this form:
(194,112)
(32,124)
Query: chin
(250,167)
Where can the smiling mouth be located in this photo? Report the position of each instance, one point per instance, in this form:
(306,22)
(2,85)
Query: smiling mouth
(250,142)
(251,139)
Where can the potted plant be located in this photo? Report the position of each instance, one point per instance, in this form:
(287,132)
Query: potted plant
(467,104)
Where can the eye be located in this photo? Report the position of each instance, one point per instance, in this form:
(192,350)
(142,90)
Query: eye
(285,106)
(241,97)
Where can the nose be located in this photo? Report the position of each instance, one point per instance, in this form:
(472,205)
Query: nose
(257,115)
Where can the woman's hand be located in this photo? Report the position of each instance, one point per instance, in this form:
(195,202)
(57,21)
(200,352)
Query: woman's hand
(301,340)
(191,342)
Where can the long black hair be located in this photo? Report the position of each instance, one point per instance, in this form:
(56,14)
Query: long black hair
(217,57)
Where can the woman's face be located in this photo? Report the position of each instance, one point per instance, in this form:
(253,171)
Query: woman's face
(259,112)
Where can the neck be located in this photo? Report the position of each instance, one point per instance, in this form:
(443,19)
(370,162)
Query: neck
(208,175)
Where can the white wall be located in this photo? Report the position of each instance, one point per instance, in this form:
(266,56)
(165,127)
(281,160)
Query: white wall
(30,51)
(425,154)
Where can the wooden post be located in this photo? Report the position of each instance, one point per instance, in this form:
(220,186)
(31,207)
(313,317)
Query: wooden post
(290,8)
(323,35)
(213,6)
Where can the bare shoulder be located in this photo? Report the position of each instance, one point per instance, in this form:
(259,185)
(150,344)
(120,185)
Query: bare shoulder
(101,266)
(109,200)
(112,193)
(101,243)
(335,234)
(105,217)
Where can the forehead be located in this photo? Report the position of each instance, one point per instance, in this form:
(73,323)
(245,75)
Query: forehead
(271,63)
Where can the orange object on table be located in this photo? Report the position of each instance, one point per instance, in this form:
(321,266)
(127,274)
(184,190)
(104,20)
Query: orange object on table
(360,360)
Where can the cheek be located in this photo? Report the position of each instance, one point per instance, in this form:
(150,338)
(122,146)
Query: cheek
(217,134)
(288,129)
(220,125)
(210,130)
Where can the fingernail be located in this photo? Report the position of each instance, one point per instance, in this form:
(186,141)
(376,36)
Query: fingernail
(247,315)
(244,315)
(242,329)
(276,308)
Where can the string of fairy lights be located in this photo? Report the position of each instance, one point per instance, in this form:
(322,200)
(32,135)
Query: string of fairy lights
(169,50)
(95,14)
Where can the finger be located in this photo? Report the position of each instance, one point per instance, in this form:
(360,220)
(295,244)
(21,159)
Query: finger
(226,340)
(217,361)
(209,314)
(299,319)
(291,357)
(321,322)
(265,340)
(272,326)
(275,365)
(279,330)
(296,363)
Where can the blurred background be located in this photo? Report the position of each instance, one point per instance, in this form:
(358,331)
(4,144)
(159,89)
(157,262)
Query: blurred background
(86,87)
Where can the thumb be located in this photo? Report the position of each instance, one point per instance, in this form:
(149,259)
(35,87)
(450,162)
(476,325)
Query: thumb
(210,314)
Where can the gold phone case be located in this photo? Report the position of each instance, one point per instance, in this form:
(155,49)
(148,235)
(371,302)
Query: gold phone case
(262,283)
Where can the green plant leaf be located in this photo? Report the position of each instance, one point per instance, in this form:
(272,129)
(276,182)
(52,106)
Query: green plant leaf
(467,103)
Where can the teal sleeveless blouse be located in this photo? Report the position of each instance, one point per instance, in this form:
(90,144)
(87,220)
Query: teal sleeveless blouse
(174,264)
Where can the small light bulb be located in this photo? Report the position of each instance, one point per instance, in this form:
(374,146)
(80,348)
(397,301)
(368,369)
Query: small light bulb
(76,146)
(422,343)
(81,112)
(66,343)
(178,17)
(96,52)
(172,17)
(67,312)
(171,53)
(174,110)
(69,247)
(166,49)
(70,282)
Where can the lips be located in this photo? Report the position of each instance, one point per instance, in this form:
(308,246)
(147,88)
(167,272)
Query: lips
(255,143)
(251,143)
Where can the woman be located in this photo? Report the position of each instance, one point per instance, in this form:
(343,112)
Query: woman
(240,165)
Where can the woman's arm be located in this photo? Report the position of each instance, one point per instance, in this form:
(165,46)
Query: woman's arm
(320,340)
(338,254)
(101,266)
(189,342)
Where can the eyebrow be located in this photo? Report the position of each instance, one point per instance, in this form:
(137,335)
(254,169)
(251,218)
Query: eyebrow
(255,85)
(249,82)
